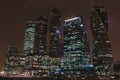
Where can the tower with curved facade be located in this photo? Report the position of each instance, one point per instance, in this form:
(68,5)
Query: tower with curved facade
(102,52)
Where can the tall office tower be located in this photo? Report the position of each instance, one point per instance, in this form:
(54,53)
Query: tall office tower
(76,46)
(29,43)
(54,39)
(40,60)
(102,58)
(55,25)
(40,42)
(29,38)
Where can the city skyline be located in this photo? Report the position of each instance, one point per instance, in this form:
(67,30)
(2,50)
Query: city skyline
(20,22)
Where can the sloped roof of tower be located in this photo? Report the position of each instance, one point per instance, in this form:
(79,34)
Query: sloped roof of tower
(55,11)
(41,18)
(97,6)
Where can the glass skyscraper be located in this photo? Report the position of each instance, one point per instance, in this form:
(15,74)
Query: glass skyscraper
(76,46)
(102,57)
(41,57)
(54,40)
(35,46)
(29,38)
(40,42)
(28,50)
(54,37)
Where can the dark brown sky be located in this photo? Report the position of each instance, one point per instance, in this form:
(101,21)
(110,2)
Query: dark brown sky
(14,14)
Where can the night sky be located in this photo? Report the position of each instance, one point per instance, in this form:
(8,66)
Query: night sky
(14,14)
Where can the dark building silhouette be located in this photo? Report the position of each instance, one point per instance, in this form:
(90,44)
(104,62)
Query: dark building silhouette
(102,52)
(54,41)
(55,33)
(40,42)
(40,58)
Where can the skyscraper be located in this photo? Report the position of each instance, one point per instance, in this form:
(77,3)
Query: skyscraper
(41,57)
(76,46)
(102,57)
(54,37)
(28,50)
(29,38)
(54,40)
(35,45)
(40,42)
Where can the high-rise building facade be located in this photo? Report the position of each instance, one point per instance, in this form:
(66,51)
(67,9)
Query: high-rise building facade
(54,37)
(35,46)
(76,46)
(28,50)
(54,40)
(102,52)
(29,38)
(41,57)
(14,63)
(11,52)
(40,41)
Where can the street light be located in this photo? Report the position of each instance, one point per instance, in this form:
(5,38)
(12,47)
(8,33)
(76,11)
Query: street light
(2,73)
